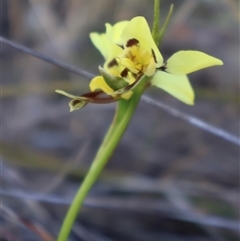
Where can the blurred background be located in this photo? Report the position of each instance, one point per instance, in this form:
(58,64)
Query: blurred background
(167,180)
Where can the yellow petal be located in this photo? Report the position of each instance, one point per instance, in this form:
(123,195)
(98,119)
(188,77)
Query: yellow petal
(176,85)
(66,94)
(99,83)
(114,32)
(138,29)
(185,62)
(101,43)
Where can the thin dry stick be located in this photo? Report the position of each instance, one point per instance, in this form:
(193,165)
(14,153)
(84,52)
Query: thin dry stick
(190,119)
(46,58)
(195,121)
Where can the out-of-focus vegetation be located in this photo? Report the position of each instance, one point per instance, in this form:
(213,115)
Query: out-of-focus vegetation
(168,180)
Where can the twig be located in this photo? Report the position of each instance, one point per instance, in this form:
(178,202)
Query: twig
(194,121)
(46,58)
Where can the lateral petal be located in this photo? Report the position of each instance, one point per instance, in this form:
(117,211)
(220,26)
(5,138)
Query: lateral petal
(185,62)
(176,85)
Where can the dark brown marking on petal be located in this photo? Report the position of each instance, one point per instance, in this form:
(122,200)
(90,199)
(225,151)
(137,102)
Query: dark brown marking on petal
(135,82)
(162,68)
(124,73)
(154,56)
(75,102)
(121,46)
(98,97)
(132,42)
(92,94)
(139,77)
(128,87)
(134,75)
(112,63)
(103,100)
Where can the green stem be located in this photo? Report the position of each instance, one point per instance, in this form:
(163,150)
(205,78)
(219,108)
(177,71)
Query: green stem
(164,27)
(156,21)
(120,122)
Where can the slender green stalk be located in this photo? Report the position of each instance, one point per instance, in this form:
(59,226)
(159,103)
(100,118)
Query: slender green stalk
(156,21)
(120,122)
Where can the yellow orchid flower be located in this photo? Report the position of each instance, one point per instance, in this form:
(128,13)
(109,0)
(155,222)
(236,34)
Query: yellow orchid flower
(130,52)
(132,63)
